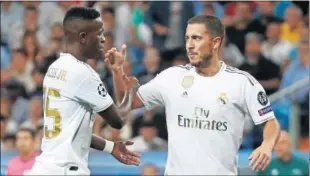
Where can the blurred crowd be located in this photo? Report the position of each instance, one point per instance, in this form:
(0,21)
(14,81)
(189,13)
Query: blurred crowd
(270,40)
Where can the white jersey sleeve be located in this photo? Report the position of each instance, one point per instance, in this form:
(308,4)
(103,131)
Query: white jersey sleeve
(151,93)
(93,92)
(257,103)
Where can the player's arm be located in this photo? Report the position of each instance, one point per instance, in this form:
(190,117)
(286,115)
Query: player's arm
(117,149)
(148,95)
(120,86)
(271,133)
(258,107)
(115,114)
(93,93)
(114,61)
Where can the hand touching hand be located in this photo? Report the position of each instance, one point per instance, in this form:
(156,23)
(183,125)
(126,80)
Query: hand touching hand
(123,155)
(131,83)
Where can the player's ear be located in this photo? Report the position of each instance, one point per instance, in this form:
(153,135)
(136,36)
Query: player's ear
(82,37)
(217,42)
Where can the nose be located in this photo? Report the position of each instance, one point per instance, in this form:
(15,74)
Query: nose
(102,39)
(189,44)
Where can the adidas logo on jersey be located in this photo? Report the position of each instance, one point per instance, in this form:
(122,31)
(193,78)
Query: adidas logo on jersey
(184,94)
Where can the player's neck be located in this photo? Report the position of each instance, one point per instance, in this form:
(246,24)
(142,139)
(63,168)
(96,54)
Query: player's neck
(286,158)
(26,156)
(273,41)
(210,69)
(75,51)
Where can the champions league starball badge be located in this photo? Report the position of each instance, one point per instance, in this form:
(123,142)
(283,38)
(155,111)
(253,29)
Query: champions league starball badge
(262,98)
(187,82)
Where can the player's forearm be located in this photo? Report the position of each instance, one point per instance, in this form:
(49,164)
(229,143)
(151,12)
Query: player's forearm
(100,144)
(118,85)
(271,133)
(126,104)
(97,142)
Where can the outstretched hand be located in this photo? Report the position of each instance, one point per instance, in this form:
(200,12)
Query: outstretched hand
(260,158)
(123,155)
(114,59)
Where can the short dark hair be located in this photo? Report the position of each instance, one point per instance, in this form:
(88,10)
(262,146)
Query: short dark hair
(31,8)
(212,23)
(29,130)
(2,117)
(9,137)
(20,51)
(108,10)
(277,22)
(83,13)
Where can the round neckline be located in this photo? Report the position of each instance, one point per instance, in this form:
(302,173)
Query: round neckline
(223,66)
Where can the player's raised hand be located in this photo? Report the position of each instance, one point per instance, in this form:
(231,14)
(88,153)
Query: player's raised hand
(123,155)
(131,82)
(260,158)
(115,59)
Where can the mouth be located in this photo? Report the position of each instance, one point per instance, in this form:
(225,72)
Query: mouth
(192,54)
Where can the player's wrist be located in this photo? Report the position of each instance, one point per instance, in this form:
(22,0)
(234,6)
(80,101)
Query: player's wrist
(268,145)
(116,70)
(109,145)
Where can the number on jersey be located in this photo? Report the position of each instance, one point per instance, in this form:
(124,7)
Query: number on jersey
(52,121)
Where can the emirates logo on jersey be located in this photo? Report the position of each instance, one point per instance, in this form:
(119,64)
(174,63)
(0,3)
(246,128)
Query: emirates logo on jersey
(201,120)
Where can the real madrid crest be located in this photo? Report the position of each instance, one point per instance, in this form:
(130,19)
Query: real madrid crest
(223,99)
(187,81)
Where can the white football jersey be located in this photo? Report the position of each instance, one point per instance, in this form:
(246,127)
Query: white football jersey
(73,93)
(205,116)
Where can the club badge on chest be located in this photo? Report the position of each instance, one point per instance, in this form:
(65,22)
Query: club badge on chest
(187,82)
(223,98)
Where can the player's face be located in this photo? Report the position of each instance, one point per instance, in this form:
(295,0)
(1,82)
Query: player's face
(199,44)
(282,147)
(150,170)
(148,133)
(94,40)
(273,31)
(24,142)
(2,129)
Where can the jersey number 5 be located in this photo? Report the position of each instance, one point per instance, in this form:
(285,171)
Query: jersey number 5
(52,126)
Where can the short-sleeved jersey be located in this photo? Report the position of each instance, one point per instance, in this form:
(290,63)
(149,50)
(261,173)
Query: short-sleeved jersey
(73,93)
(205,116)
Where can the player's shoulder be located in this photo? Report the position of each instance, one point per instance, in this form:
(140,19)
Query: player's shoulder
(74,65)
(75,69)
(14,161)
(240,76)
(178,69)
(173,71)
(186,67)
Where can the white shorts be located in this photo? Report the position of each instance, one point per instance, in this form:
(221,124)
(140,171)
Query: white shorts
(52,169)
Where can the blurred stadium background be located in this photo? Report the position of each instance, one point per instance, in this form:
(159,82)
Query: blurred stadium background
(268,39)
